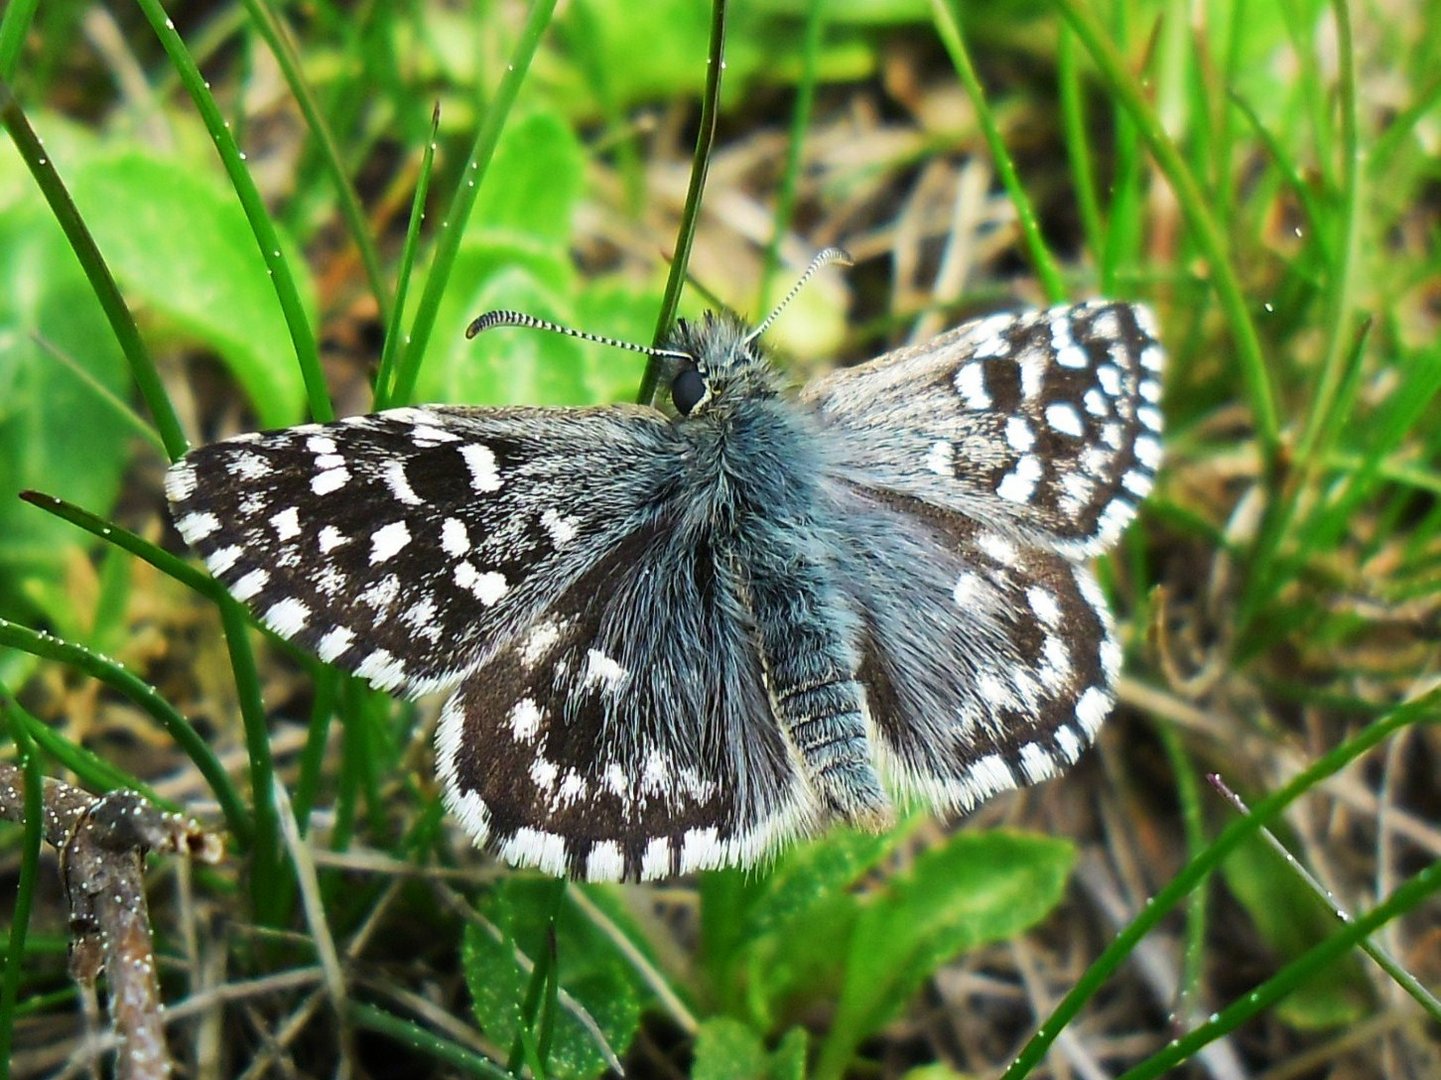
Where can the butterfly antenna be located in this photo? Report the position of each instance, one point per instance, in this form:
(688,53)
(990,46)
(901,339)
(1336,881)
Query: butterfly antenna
(823,258)
(491,319)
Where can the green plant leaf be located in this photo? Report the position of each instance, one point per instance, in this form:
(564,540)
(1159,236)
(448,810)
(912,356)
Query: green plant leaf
(191,257)
(974,889)
(592,973)
(726,1049)
(60,427)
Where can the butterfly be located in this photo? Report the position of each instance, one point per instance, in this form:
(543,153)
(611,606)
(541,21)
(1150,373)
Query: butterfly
(679,636)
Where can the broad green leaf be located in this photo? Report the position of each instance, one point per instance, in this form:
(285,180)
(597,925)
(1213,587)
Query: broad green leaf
(60,430)
(976,888)
(531,185)
(726,1049)
(179,244)
(592,973)
(510,365)
(1292,919)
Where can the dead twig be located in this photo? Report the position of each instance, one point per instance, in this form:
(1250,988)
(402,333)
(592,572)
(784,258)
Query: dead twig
(102,843)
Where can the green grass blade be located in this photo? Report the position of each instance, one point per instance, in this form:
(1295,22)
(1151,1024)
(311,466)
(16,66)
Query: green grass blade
(126,540)
(144,695)
(142,367)
(14,25)
(1078,144)
(690,213)
(452,226)
(1406,897)
(948,26)
(266,238)
(1196,870)
(413,1036)
(25,887)
(385,373)
(1195,207)
(277,37)
(92,770)
(790,173)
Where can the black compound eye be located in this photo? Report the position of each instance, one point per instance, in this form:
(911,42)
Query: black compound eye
(687,390)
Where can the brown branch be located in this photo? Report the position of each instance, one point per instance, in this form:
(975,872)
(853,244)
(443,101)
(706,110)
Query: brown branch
(102,843)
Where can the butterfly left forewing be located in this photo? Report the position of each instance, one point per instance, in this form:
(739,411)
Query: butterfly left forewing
(627,733)
(405,545)
(1044,424)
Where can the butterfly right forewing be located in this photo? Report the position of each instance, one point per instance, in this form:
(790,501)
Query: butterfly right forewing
(1044,423)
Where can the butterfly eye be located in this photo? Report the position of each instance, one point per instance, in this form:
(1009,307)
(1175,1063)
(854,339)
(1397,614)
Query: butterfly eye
(687,390)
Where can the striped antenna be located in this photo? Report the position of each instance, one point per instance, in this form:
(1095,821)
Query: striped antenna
(491,319)
(823,258)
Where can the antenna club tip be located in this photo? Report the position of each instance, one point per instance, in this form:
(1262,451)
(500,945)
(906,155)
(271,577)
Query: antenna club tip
(489,321)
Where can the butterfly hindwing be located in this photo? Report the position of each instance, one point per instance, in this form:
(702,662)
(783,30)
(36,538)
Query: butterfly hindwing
(627,733)
(988,663)
(406,545)
(1044,423)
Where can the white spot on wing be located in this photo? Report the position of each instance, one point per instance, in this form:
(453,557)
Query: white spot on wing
(525,720)
(333,643)
(536,847)
(541,639)
(387,541)
(383,670)
(971,385)
(454,539)
(196,527)
(1019,485)
(701,850)
(605,862)
(330,537)
(1044,605)
(223,559)
(480,460)
(488,587)
(399,485)
(250,584)
(600,668)
(330,480)
(562,530)
(287,523)
(1019,436)
(1068,744)
(942,459)
(287,617)
(180,482)
(1036,763)
(1092,709)
(1063,417)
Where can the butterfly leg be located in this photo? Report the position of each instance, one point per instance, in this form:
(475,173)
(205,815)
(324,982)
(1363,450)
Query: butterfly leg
(806,642)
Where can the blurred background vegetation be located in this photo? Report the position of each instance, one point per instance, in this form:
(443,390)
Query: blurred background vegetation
(294,201)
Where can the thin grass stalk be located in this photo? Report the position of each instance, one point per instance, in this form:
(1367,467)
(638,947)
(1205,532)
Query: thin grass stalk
(29,873)
(947,19)
(1196,870)
(1309,964)
(385,374)
(302,337)
(1194,206)
(690,212)
(452,226)
(148,698)
(277,37)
